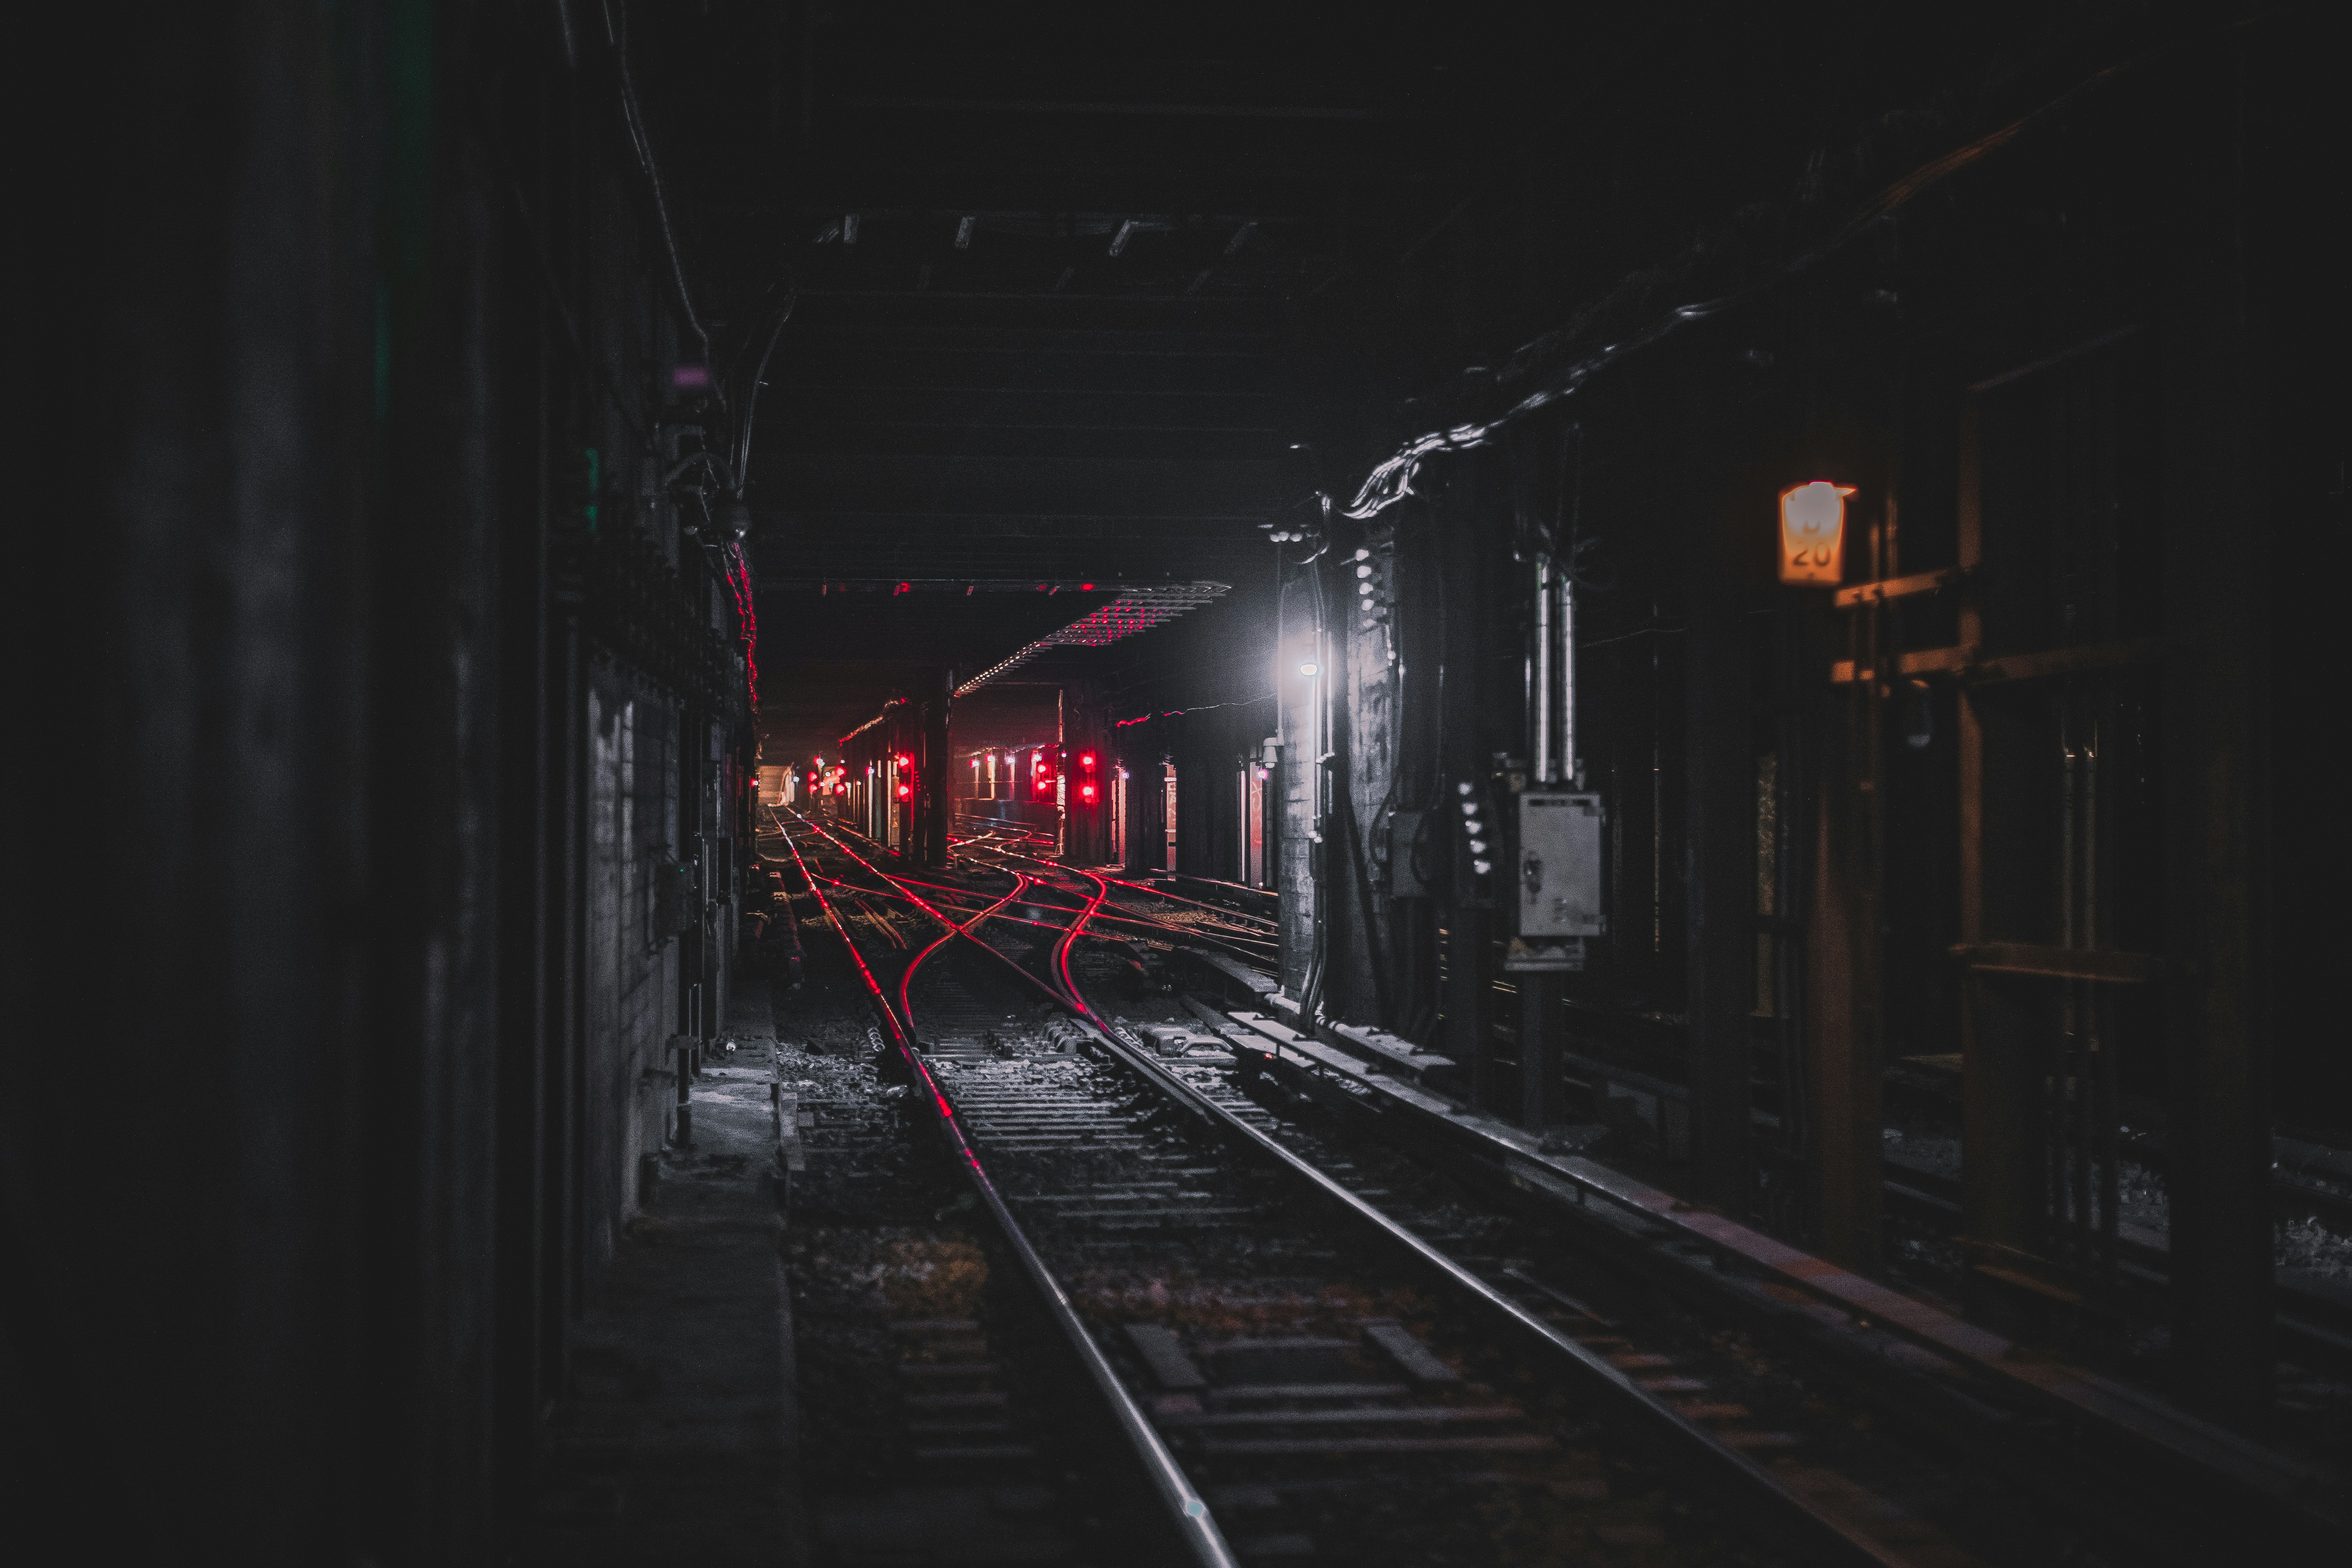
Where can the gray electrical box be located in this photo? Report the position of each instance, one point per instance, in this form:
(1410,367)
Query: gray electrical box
(1558,870)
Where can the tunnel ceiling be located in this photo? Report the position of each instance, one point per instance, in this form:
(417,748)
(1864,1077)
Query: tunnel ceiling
(1043,266)
(1041,333)
(1094,294)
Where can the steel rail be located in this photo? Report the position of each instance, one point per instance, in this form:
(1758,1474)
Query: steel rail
(1153,923)
(1152,891)
(1228,936)
(1821,1532)
(923,905)
(1753,1481)
(1052,994)
(865,894)
(906,886)
(1826,1537)
(1196,1527)
(907,981)
(1069,940)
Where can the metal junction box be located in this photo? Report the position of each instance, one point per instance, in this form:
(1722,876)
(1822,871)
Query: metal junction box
(1560,864)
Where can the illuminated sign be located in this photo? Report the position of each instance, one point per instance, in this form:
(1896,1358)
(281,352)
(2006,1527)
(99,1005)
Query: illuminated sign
(1812,533)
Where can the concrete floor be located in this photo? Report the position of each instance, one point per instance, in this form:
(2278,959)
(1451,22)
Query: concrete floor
(677,1443)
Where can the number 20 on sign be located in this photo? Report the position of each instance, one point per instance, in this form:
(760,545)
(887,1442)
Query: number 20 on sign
(1812,533)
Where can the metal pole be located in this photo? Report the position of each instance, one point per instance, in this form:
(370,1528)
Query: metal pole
(1541,678)
(1563,623)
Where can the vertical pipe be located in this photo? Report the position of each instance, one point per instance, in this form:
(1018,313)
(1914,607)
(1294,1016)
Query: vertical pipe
(2065,1158)
(1563,626)
(1539,678)
(1718,885)
(2102,1058)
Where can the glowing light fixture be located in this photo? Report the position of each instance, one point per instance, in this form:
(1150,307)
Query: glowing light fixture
(1812,533)
(1311,669)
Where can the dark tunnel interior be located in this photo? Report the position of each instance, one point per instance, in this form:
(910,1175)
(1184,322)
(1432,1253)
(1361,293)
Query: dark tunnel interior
(874,785)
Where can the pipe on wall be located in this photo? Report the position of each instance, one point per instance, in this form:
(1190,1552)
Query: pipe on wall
(1563,626)
(1539,678)
(1552,677)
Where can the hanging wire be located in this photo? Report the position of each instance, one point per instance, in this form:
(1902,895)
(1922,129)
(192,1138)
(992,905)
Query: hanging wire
(618,32)
(751,397)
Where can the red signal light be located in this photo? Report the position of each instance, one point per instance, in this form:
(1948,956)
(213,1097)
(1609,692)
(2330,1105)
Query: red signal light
(904,791)
(1087,760)
(1088,791)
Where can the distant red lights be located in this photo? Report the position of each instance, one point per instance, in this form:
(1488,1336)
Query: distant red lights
(905,793)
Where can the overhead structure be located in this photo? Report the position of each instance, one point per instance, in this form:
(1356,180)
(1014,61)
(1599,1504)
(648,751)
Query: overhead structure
(1135,610)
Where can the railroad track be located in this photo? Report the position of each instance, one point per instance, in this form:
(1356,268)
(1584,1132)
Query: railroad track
(1324,1348)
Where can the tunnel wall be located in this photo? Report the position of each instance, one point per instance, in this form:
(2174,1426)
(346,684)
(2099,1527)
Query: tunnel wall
(1788,877)
(355,919)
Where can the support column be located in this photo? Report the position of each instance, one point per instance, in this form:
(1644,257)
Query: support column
(2216,694)
(1720,877)
(1543,1027)
(1146,806)
(938,761)
(1086,825)
(1842,1072)
(1470,999)
(2000,1169)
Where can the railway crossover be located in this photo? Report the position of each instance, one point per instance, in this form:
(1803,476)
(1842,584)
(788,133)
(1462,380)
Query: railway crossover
(1325,1344)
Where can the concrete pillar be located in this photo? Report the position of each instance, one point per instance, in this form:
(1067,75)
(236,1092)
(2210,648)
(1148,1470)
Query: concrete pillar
(1842,1075)
(1086,825)
(937,761)
(2217,695)
(1543,1025)
(1719,874)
